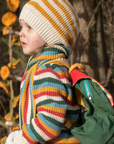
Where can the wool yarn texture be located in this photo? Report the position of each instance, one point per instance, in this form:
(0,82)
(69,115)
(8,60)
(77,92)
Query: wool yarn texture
(56,21)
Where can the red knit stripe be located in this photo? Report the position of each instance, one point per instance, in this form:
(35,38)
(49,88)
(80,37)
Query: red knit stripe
(26,105)
(23,78)
(52,112)
(54,94)
(29,140)
(52,71)
(43,128)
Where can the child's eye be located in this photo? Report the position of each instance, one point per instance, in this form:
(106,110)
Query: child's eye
(29,27)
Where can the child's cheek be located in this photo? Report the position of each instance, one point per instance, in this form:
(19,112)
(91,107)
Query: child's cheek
(32,42)
(35,43)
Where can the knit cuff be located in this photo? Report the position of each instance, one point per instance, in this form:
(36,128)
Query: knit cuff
(19,139)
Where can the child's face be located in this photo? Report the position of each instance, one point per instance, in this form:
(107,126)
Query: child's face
(30,40)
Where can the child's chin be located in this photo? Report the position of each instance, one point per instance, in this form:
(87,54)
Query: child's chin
(26,53)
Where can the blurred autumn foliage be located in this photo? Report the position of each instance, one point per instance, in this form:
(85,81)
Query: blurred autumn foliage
(9,81)
(9,22)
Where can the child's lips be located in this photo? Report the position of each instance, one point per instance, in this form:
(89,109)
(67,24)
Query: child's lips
(23,44)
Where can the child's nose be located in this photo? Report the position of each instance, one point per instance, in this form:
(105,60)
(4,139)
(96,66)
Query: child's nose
(21,33)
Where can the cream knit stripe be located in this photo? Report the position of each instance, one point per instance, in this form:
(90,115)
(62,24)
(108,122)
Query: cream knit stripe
(64,16)
(63,59)
(29,110)
(72,10)
(61,48)
(72,15)
(34,18)
(50,74)
(69,16)
(76,107)
(50,16)
(22,84)
(39,131)
(52,116)
(44,97)
(57,13)
(20,124)
(40,24)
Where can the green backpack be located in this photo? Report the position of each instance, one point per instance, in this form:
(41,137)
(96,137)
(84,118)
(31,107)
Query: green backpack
(96,121)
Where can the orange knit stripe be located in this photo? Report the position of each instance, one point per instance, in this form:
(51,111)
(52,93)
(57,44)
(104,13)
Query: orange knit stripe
(69,97)
(53,109)
(60,18)
(49,18)
(72,11)
(24,97)
(65,141)
(68,16)
(54,132)
(32,70)
(61,73)
(26,133)
(50,89)
(49,57)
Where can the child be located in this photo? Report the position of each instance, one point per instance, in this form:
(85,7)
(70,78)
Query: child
(49,29)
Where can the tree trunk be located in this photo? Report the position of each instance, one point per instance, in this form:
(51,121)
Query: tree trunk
(90,46)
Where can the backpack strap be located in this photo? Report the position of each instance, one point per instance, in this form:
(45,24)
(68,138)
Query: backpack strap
(78,66)
(76,75)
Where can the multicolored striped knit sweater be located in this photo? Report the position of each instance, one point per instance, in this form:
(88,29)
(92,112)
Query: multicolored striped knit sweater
(46,99)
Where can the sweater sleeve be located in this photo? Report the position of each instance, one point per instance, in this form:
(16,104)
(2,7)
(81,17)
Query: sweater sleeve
(50,91)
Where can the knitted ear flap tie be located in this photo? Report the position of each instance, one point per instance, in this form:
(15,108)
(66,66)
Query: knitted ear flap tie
(56,21)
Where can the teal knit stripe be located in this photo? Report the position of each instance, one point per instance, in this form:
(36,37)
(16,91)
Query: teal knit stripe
(31,99)
(34,134)
(52,103)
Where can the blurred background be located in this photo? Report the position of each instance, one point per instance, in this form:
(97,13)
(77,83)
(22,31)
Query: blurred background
(94,48)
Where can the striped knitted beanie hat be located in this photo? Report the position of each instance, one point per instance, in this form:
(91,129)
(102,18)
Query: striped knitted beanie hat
(56,21)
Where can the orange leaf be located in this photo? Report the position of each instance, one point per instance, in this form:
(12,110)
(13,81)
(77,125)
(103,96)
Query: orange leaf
(14,64)
(4,31)
(7,117)
(16,101)
(15,38)
(15,128)
(13,4)
(8,18)
(16,116)
(4,87)
(4,72)
(3,140)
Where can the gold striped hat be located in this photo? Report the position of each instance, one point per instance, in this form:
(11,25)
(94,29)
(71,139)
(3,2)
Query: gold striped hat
(56,21)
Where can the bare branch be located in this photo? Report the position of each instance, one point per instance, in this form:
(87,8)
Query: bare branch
(3,107)
(94,13)
(15,77)
(12,32)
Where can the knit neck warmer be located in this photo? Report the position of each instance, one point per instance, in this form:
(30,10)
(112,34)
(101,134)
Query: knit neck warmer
(50,53)
(47,54)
